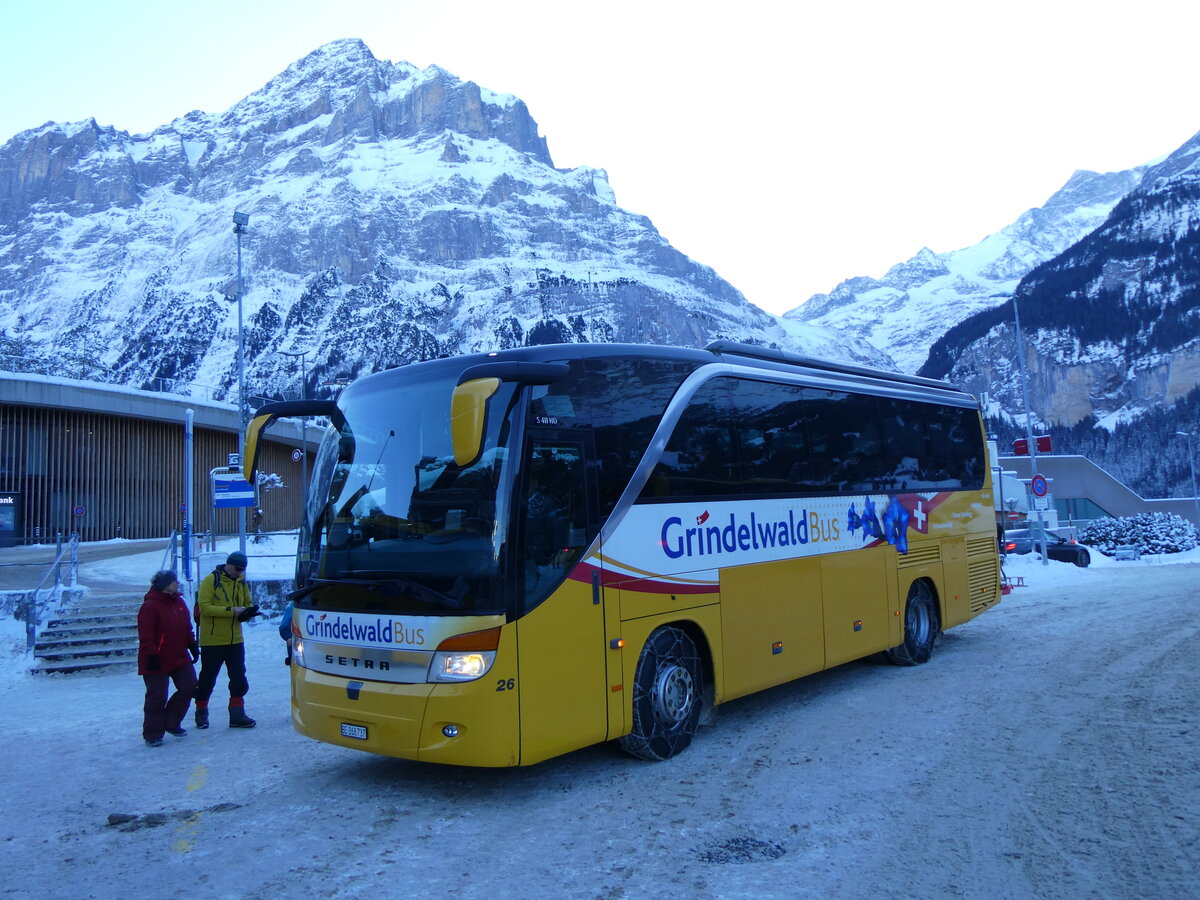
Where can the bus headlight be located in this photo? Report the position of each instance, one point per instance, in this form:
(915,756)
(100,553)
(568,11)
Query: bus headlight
(298,652)
(464,657)
(460,665)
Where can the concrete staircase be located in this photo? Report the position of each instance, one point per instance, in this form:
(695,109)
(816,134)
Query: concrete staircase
(98,633)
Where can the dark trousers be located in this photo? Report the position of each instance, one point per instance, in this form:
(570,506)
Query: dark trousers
(233,658)
(159,713)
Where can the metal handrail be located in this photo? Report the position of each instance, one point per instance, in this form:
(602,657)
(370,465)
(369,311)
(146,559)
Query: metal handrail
(32,598)
(171,554)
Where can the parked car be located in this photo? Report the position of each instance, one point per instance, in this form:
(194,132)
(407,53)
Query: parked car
(1020,540)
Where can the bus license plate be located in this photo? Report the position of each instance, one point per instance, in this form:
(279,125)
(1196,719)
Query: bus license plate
(358,732)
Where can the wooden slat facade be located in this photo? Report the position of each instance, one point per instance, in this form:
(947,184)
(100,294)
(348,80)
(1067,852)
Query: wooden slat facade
(126,475)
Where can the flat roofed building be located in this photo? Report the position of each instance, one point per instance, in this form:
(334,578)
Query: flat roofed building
(106,461)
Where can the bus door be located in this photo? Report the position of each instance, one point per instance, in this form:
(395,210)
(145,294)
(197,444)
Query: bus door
(560,634)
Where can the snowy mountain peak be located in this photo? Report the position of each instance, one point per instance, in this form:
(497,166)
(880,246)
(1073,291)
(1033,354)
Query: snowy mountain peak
(925,266)
(342,90)
(331,73)
(917,301)
(396,214)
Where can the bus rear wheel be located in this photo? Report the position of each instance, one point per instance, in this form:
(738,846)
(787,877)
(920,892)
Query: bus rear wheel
(667,696)
(921,627)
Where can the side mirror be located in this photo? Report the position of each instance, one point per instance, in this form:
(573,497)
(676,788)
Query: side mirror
(476,386)
(268,413)
(468,414)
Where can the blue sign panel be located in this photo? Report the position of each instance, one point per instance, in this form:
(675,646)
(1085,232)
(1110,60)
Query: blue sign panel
(11,521)
(231,491)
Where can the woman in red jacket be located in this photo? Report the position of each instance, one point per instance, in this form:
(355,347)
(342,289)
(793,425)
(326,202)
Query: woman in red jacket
(166,652)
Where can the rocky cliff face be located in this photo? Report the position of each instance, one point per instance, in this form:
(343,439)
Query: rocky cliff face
(1112,324)
(1106,276)
(396,214)
(1067,387)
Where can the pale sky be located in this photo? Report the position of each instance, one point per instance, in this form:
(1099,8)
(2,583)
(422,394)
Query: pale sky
(786,145)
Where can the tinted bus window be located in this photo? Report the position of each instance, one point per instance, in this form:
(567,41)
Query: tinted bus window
(741,437)
(956,449)
(904,430)
(773,445)
(848,450)
(700,459)
(629,397)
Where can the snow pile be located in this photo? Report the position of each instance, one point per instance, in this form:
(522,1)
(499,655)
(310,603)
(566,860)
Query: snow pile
(14,662)
(1149,532)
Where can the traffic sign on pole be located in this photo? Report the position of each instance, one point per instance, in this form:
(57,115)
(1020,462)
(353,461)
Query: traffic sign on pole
(1038,485)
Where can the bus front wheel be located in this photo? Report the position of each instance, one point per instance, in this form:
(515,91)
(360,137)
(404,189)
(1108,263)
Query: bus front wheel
(921,627)
(667,696)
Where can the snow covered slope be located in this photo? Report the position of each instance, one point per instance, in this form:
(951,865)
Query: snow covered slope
(1112,324)
(918,300)
(396,214)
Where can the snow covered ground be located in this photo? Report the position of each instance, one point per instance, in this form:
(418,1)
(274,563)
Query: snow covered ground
(1047,750)
(273,557)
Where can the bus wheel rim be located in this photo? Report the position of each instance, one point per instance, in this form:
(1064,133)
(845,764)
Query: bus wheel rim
(918,624)
(673,695)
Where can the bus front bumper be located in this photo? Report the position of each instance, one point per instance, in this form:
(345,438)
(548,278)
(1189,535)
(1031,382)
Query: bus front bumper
(464,724)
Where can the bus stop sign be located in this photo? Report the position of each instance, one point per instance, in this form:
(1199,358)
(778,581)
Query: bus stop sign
(231,490)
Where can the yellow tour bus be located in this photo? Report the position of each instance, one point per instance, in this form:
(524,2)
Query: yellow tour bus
(509,556)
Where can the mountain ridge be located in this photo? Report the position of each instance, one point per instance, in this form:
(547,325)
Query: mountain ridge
(395,214)
(904,312)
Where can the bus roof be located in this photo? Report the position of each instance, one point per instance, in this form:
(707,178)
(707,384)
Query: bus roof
(730,352)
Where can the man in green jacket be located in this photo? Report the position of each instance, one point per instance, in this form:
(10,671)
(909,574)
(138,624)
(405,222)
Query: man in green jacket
(224,604)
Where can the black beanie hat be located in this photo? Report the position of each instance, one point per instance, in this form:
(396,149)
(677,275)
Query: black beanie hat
(161,579)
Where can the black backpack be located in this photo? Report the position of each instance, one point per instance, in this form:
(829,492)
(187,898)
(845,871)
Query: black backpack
(196,604)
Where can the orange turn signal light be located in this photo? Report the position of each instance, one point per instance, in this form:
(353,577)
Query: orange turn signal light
(488,639)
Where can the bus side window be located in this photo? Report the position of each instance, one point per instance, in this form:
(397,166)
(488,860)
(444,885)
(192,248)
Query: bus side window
(773,438)
(956,448)
(907,446)
(628,399)
(701,455)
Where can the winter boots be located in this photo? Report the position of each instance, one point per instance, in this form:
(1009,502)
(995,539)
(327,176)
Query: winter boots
(237,715)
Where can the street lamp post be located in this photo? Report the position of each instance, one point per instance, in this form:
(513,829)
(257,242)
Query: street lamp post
(1192,463)
(240,221)
(303,424)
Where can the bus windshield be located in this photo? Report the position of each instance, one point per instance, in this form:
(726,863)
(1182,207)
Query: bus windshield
(395,524)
